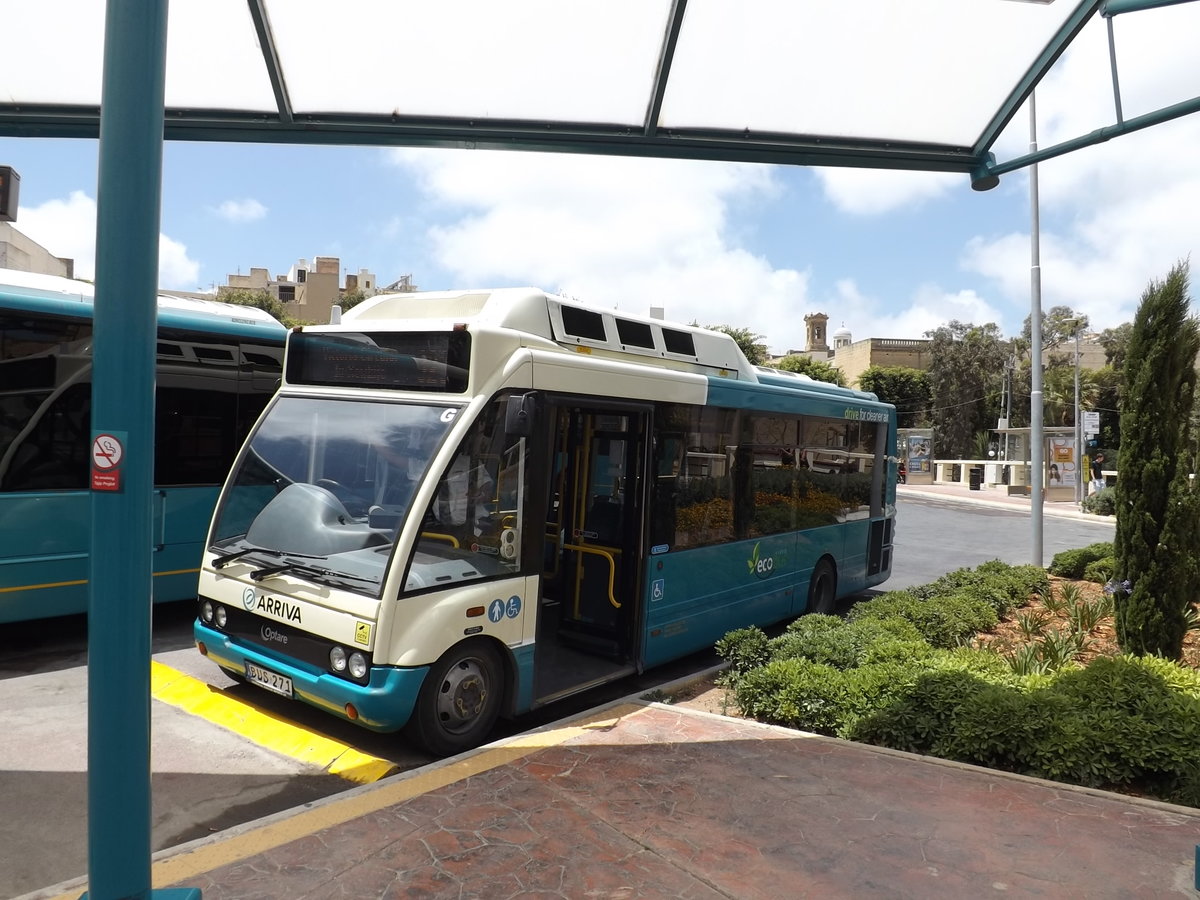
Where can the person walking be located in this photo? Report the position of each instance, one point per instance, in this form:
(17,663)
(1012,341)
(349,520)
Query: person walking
(1098,472)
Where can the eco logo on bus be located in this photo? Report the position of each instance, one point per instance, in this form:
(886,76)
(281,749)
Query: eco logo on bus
(760,566)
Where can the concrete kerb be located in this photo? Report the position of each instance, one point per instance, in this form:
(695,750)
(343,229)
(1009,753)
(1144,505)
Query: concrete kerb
(958,494)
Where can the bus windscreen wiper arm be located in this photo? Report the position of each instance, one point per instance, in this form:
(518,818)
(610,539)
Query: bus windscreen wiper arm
(305,569)
(222,561)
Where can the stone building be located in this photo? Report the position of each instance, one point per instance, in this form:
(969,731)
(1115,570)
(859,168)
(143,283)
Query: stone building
(309,290)
(20,252)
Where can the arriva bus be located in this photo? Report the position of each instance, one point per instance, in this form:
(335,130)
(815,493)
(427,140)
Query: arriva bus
(469,504)
(217,366)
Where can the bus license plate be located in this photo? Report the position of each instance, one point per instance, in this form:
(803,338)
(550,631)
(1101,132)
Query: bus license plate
(265,678)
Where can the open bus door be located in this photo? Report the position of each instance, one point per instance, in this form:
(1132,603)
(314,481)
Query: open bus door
(590,605)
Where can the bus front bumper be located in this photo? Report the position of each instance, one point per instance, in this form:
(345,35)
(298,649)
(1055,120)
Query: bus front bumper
(385,703)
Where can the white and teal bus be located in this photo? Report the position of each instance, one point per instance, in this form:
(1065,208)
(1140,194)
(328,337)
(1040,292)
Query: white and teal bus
(461,505)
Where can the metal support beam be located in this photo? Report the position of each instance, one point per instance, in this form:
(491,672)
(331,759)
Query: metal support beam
(1037,465)
(127,227)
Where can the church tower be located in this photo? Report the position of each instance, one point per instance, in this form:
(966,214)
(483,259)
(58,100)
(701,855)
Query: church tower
(816,324)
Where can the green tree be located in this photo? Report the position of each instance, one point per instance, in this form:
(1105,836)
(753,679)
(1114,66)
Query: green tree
(1059,326)
(816,369)
(1115,342)
(906,389)
(1158,511)
(751,343)
(1058,393)
(966,376)
(351,299)
(260,299)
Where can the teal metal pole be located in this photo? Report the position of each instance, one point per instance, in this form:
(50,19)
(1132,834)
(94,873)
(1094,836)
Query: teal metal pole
(127,225)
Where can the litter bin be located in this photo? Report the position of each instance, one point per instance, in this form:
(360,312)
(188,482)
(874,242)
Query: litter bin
(975,475)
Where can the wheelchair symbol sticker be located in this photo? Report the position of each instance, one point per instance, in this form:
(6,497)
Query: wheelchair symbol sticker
(657,589)
(513,608)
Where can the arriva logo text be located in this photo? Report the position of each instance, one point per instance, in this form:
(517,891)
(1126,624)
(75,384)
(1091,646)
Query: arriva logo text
(275,607)
(760,566)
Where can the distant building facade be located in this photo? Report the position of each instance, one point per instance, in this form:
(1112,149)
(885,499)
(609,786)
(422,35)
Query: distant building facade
(309,290)
(855,357)
(20,252)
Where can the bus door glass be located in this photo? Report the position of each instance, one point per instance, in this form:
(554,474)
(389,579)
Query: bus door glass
(589,610)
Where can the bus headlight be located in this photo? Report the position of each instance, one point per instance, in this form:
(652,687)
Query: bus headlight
(358,664)
(337,659)
(221,617)
(206,612)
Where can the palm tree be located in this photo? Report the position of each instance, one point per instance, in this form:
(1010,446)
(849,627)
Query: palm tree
(1058,392)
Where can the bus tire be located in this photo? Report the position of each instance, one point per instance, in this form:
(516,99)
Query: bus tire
(822,589)
(459,700)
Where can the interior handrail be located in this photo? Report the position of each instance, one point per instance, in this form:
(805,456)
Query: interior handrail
(612,568)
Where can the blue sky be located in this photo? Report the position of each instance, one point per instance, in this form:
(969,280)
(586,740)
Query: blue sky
(889,254)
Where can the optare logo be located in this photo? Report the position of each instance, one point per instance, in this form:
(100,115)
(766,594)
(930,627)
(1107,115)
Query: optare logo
(760,566)
(248,598)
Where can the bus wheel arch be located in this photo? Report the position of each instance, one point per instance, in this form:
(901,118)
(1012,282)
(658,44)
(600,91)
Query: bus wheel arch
(460,698)
(822,587)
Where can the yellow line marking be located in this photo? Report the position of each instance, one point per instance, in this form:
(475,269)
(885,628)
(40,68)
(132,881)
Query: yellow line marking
(55,584)
(223,851)
(263,728)
(34,587)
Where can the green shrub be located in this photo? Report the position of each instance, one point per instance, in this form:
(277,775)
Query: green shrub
(1072,563)
(1001,585)
(1100,570)
(1000,728)
(944,620)
(798,693)
(849,644)
(746,649)
(917,717)
(1101,503)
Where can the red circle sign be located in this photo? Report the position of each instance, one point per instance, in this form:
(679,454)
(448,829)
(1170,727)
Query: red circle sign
(106,452)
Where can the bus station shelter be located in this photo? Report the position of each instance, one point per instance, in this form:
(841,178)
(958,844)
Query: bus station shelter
(927,85)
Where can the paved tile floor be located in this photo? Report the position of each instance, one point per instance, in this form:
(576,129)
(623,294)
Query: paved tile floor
(648,800)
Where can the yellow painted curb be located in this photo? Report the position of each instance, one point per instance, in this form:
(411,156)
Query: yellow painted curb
(193,696)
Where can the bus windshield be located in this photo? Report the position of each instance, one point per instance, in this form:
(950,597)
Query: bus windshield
(325,484)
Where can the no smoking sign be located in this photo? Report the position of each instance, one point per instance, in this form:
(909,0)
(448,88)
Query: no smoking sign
(108,451)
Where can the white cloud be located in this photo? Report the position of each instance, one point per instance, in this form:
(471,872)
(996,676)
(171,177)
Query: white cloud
(247,210)
(929,307)
(617,232)
(175,270)
(872,192)
(1119,214)
(67,228)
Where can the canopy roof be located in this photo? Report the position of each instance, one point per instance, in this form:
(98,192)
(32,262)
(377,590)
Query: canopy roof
(913,84)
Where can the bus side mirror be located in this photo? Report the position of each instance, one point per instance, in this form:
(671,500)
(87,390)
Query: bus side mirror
(518,417)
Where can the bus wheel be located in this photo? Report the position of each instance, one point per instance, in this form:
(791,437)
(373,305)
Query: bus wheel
(459,700)
(822,589)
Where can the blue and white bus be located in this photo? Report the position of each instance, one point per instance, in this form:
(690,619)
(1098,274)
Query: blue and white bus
(218,364)
(469,504)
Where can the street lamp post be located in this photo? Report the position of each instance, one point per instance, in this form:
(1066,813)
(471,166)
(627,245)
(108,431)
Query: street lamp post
(1079,436)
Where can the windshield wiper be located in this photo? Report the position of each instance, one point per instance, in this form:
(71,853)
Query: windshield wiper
(222,561)
(306,569)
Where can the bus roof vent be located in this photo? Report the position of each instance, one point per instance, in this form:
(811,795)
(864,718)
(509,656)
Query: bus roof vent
(684,347)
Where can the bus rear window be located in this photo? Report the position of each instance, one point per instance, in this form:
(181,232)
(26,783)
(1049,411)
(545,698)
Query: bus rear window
(404,361)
